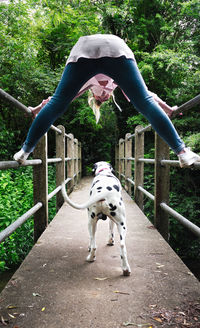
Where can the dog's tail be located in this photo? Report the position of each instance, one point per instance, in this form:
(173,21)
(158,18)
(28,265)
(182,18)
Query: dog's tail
(91,201)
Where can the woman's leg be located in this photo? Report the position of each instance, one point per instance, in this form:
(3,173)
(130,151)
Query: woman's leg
(126,74)
(73,78)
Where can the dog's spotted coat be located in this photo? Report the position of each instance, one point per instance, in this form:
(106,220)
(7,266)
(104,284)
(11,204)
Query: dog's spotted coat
(105,201)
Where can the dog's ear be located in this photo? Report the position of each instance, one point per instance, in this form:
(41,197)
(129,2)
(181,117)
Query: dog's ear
(94,169)
(111,169)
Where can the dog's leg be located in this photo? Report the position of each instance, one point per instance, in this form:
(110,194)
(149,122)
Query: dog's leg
(92,226)
(124,260)
(111,234)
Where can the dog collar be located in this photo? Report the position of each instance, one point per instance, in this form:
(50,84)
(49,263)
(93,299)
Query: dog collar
(105,168)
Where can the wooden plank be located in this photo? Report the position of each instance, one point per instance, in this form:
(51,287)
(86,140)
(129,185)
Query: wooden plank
(40,188)
(70,164)
(161,193)
(139,167)
(128,163)
(60,167)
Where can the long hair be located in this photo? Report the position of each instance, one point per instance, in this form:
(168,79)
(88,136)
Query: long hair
(95,105)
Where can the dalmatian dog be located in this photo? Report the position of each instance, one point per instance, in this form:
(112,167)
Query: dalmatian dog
(105,201)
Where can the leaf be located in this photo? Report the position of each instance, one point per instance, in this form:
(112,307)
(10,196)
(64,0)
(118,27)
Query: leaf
(123,293)
(12,316)
(190,273)
(139,325)
(36,294)
(160,265)
(157,319)
(101,279)
(11,307)
(4,321)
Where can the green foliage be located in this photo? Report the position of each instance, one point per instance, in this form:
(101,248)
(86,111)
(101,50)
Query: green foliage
(6,141)
(16,192)
(16,198)
(136,120)
(184,198)
(193,141)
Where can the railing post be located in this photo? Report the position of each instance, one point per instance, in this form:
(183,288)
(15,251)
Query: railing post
(70,163)
(79,162)
(40,188)
(161,192)
(139,166)
(60,167)
(117,160)
(128,163)
(75,161)
(121,158)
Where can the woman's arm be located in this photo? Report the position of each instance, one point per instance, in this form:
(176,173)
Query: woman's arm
(36,110)
(168,110)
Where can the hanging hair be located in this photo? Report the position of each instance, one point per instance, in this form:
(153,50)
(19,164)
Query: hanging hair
(95,105)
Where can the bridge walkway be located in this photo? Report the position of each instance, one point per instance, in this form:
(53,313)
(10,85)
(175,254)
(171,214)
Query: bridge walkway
(55,287)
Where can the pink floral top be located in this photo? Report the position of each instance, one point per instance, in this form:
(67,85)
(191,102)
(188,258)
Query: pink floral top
(101,86)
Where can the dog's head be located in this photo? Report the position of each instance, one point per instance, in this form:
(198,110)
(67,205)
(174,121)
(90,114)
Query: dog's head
(102,167)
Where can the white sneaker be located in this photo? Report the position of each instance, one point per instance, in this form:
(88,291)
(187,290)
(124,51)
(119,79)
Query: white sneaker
(21,156)
(188,158)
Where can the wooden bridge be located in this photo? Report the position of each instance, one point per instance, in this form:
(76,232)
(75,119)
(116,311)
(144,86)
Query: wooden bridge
(56,287)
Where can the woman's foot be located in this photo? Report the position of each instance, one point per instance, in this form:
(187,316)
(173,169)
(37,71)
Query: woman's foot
(21,156)
(188,157)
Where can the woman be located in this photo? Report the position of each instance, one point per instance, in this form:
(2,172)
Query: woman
(107,55)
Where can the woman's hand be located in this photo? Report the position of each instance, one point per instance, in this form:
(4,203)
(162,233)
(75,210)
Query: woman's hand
(35,110)
(168,110)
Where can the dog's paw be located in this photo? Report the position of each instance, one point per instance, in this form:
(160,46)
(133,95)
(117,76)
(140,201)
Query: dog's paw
(111,242)
(126,272)
(90,258)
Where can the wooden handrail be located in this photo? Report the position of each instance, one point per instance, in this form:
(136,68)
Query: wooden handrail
(40,166)
(162,165)
(6,96)
(183,108)
(40,172)
(189,104)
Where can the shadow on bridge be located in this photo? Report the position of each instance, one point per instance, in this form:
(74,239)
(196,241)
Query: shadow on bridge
(56,287)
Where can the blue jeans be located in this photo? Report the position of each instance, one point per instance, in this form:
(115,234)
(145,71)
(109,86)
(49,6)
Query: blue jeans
(126,74)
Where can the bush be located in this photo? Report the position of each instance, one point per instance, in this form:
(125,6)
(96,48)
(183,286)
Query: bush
(16,189)
(184,198)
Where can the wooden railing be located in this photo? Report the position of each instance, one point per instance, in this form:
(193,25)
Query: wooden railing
(162,163)
(40,173)
(123,163)
(68,159)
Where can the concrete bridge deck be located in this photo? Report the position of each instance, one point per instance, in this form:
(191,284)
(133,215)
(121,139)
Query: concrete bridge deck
(55,287)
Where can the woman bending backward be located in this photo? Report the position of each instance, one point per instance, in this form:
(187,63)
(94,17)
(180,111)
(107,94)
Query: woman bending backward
(100,63)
